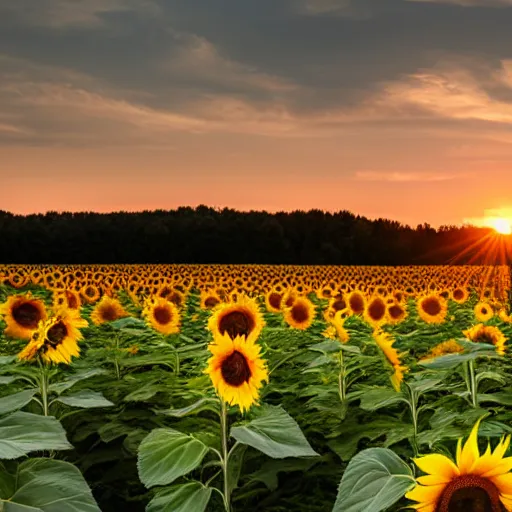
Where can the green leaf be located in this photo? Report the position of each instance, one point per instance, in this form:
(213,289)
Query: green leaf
(491,376)
(501,397)
(60,387)
(22,433)
(236,459)
(16,401)
(193,496)
(377,398)
(374,480)
(85,399)
(326,346)
(275,433)
(48,485)
(7,360)
(128,322)
(204,404)
(424,385)
(167,454)
(7,380)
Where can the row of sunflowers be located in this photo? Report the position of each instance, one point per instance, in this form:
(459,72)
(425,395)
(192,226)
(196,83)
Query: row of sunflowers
(308,392)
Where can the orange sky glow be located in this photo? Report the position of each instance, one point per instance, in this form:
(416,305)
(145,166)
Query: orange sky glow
(336,111)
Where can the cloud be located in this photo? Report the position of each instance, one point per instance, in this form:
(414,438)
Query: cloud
(68,14)
(403,177)
(469,3)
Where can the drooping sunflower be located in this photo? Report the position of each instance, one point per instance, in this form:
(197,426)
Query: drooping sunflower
(483,311)
(236,369)
(22,314)
(162,315)
(107,310)
(56,339)
(375,312)
(444,348)
(432,308)
(237,318)
(473,482)
(301,313)
(489,334)
(385,343)
(338,323)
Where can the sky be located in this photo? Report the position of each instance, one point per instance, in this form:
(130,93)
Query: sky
(399,109)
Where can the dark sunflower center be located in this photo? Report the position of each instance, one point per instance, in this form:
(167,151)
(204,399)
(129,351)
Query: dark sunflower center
(339,304)
(72,301)
(470,493)
(274,300)
(484,337)
(395,311)
(356,303)
(377,310)
(235,369)
(236,323)
(211,302)
(431,306)
(162,315)
(484,311)
(90,291)
(300,313)
(56,333)
(458,294)
(109,313)
(27,315)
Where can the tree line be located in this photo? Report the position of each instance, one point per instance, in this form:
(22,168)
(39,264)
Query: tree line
(212,235)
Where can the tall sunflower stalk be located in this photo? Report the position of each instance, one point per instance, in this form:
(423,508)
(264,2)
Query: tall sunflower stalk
(237,373)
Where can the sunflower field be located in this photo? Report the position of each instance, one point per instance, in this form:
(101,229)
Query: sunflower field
(191,388)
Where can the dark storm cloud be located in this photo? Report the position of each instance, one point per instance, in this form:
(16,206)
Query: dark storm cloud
(84,68)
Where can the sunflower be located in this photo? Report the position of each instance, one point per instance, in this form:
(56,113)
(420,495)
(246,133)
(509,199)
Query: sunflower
(487,334)
(22,314)
(90,293)
(56,339)
(237,318)
(273,300)
(473,483)
(356,302)
(107,310)
(301,314)
(209,299)
(483,311)
(460,294)
(444,348)
(385,343)
(375,312)
(236,370)
(67,299)
(396,312)
(432,308)
(162,315)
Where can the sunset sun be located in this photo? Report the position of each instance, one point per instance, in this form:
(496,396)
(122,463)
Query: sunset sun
(502,226)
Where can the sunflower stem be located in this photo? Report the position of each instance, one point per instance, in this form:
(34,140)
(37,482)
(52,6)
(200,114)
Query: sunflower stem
(43,387)
(473,383)
(224,438)
(116,360)
(342,382)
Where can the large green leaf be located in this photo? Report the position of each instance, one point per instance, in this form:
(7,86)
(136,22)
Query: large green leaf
(193,496)
(60,387)
(48,485)
(374,480)
(16,401)
(203,404)
(85,399)
(374,399)
(275,433)
(166,454)
(22,433)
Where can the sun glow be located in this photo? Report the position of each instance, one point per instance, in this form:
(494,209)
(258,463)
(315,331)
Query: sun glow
(501,225)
